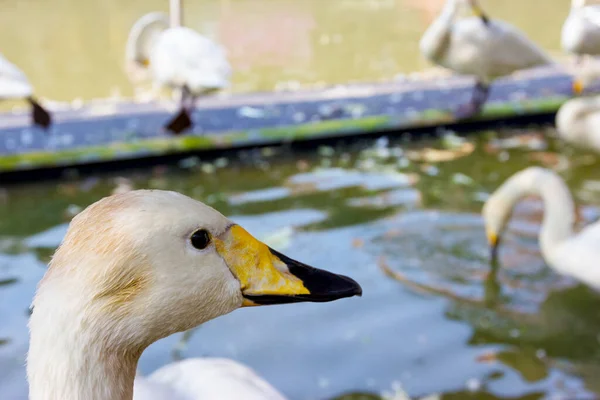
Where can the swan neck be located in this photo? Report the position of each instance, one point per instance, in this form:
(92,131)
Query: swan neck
(70,358)
(175,13)
(559,212)
(436,39)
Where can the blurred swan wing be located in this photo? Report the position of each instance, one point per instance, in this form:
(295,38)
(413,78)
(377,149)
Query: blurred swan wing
(183,56)
(579,256)
(591,14)
(511,50)
(212,378)
(13,82)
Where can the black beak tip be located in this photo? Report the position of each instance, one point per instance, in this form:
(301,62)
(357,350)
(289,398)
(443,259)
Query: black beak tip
(323,285)
(494,253)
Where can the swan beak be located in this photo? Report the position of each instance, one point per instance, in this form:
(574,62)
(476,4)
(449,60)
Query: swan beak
(478,12)
(268,277)
(493,242)
(577,86)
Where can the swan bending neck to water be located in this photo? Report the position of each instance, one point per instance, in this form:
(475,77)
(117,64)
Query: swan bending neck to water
(478,46)
(568,253)
(138,266)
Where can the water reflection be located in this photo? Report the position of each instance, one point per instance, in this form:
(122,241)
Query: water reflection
(434,316)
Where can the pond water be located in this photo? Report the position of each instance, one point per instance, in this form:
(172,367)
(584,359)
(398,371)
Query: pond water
(403,220)
(72,49)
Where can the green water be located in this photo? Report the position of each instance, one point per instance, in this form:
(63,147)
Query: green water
(74,49)
(447,326)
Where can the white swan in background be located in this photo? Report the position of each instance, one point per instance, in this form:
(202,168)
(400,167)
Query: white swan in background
(14,85)
(564,251)
(177,57)
(581,30)
(578,119)
(479,46)
(138,266)
(578,122)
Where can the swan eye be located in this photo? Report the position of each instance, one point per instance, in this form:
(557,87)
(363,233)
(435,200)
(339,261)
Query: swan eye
(200,239)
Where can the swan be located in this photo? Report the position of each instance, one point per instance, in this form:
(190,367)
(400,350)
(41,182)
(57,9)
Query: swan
(478,46)
(578,119)
(578,122)
(581,30)
(138,266)
(564,251)
(14,85)
(174,56)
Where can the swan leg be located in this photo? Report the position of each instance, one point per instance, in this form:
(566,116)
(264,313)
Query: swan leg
(39,115)
(481,93)
(182,121)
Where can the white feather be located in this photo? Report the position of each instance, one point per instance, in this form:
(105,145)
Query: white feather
(204,379)
(13,82)
(581,30)
(183,57)
(178,56)
(468,46)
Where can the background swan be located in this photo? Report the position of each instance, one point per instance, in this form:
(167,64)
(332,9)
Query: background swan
(139,266)
(581,30)
(478,46)
(177,57)
(578,122)
(14,85)
(564,251)
(578,119)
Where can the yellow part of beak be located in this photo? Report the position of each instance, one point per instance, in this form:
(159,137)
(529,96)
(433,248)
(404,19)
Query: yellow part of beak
(578,86)
(477,11)
(268,277)
(492,239)
(145,62)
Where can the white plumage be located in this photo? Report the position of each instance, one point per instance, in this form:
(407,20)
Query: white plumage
(578,122)
(202,379)
(568,253)
(15,85)
(139,266)
(183,58)
(581,30)
(478,46)
(13,82)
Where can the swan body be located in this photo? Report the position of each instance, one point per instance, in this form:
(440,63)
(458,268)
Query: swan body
(484,48)
(177,57)
(183,58)
(15,85)
(564,251)
(578,122)
(581,30)
(209,378)
(141,265)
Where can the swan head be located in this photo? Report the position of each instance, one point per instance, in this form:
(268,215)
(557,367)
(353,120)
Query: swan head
(498,208)
(138,266)
(141,38)
(585,73)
